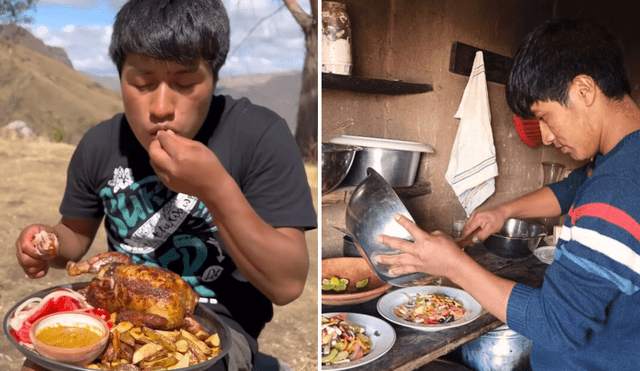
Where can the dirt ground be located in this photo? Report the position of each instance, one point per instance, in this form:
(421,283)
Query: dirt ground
(32,177)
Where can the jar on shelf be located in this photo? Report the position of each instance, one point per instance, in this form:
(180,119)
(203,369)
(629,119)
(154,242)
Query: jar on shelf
(336,39)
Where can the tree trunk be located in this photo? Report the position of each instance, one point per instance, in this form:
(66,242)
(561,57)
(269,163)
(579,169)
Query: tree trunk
(307,118)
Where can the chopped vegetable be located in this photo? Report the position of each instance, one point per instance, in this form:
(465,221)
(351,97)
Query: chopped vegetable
(335,283)
(341,341)
(363,283)
(431,309)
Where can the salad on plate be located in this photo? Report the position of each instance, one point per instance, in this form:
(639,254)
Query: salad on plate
(343,342)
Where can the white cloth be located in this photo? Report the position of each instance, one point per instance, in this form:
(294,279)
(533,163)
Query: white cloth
(472,165)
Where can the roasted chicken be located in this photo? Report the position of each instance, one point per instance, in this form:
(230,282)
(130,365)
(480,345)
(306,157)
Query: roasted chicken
(142,294)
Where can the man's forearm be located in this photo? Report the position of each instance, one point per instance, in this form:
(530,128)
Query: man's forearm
(73,245)
(537,204)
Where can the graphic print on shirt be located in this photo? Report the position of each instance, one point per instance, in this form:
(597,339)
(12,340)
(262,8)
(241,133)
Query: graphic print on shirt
(161,227)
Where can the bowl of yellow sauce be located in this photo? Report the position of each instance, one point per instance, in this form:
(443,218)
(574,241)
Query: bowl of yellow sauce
(75,337)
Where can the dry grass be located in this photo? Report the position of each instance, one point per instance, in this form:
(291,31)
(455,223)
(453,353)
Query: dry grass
(51,97)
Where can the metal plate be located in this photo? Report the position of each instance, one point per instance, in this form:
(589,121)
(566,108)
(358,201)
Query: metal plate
(390,301)
(210,322)
(382,336)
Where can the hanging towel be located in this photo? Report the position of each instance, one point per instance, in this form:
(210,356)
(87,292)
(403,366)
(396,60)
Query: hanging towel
(472,166)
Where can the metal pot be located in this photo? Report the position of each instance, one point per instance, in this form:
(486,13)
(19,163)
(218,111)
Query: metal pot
(337,159)
(395,160)
(499,350)
(397,167)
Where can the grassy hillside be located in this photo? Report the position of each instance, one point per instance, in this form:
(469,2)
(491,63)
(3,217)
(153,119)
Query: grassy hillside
(49,96)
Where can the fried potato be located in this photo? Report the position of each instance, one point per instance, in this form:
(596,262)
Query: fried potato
(213,341)
(162,362)
(201,335)
(159,338)
(147,351)
(128,339)
(173,335)
(182,363)
(182,346)
(142,348)
(122,327)
(196,343)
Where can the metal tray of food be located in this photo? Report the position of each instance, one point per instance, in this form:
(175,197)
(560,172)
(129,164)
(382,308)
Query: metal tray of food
(210,322)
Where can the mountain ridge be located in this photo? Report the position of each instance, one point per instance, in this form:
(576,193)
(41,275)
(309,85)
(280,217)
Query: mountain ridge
(38,85)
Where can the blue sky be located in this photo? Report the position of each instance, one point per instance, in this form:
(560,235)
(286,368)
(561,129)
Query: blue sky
(83,29)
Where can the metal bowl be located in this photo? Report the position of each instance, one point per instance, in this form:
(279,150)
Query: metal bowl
(336,162)
(398,168)
(370,213)
(517,238)
(395,160)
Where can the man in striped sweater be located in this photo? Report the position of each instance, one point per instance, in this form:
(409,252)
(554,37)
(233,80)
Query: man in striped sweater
(570,75)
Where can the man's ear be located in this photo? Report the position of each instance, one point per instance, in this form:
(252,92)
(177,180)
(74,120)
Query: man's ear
(585,89)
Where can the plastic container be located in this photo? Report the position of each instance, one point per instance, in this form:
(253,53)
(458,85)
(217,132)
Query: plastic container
(336,39)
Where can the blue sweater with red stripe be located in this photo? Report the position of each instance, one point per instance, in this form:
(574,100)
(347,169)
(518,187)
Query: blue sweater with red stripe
(586,315)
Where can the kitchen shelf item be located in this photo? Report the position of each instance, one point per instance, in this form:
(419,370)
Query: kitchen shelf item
(369,85)
(395,160)
(517,238)
(497,66)
(336,161)
(370,213)
(552,172)
(528,131)
(336,39)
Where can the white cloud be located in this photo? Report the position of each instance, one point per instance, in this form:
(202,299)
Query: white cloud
(86,46)
(276,44)
(40,31)
(70,3)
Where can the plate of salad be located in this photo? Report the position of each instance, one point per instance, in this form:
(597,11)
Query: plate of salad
(352,339)
(429,308)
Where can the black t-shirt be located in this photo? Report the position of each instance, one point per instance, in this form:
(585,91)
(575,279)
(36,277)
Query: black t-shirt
(110,175)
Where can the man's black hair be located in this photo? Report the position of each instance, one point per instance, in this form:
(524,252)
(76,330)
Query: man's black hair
(554,53)
(181,31)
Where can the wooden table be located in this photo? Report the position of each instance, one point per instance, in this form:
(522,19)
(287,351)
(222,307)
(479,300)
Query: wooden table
(414,348)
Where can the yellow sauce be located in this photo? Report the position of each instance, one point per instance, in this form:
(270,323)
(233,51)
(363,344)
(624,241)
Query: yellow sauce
(69,336)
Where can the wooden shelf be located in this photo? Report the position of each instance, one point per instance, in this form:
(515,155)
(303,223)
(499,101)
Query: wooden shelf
(372,86)
(343,194)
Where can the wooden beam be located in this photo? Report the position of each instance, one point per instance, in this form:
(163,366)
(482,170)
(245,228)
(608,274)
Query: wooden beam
(497,66)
